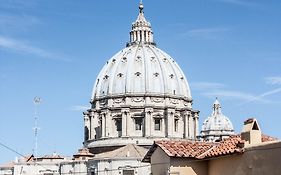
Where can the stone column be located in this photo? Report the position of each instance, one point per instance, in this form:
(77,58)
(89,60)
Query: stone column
(108,124)
(181,127)
(196,118)
(93,125)
(125,113)
(148,118)
(170,122)
(190,126)
(86,126)
(185,116)
(103,130)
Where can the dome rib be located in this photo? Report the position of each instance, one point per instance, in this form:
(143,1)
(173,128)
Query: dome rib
(173,87)
(139,76)
(161,70)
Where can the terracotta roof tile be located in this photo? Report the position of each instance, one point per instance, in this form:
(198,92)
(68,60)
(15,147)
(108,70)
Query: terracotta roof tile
(184,148)
(200,150)
(231,145)
(266,138)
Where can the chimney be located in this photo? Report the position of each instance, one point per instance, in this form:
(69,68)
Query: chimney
(251,132)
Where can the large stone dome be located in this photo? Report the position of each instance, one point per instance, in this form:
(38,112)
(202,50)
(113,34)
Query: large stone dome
(140,95)
(141,69)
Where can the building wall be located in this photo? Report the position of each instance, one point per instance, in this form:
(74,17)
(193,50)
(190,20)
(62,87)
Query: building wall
(74,167)
(256,160)
(36,168)
(160,162)
(116,166)
(180,166)
(6,171)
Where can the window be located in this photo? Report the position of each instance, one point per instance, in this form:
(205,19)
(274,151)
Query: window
(138,123)
(128,172)
(176,123)
(119,124)
(157,124)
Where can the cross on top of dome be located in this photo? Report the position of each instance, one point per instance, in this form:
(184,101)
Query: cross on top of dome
(141,7)
(141,32)
(217,107)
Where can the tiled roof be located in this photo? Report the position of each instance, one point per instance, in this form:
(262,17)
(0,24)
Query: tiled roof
(200,150)
(184,148)
(52,157)
(83,152)
(231,145)
(20,160)
(266,138)
(128,151)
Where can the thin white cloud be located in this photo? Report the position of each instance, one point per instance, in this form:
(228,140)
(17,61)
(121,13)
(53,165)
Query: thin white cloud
(205,33)
(22,47)
(261,96)
(79,108)
(212,90)
(16,23)
(248,3)
(273,80)
(235,95)
(206,85)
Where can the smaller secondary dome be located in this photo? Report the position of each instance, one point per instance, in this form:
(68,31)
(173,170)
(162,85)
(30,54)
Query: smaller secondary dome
(217,126)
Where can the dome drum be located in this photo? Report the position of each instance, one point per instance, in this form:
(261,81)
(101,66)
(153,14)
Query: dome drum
(139,125)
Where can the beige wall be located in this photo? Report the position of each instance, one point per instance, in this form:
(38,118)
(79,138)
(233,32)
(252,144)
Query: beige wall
(160,162)
(264,159)
(180,166)
(259,160)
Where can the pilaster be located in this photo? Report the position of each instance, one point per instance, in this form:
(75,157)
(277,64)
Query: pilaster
(148,118)
(108,124)
(125,122)
(190,126)
(170,122)
(87,126)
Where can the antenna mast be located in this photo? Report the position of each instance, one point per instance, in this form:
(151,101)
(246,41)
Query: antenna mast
(37,102)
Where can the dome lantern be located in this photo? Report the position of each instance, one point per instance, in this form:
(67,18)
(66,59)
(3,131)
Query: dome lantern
(141,30)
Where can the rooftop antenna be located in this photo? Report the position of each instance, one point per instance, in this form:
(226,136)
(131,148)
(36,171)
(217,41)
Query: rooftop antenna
(37,102)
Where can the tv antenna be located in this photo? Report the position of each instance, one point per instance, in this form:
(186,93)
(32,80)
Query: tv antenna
(37,101)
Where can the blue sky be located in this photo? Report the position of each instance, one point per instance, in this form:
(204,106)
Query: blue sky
(230,49)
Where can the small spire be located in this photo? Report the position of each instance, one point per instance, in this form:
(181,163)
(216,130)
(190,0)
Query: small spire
(141,7)
(217,107)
